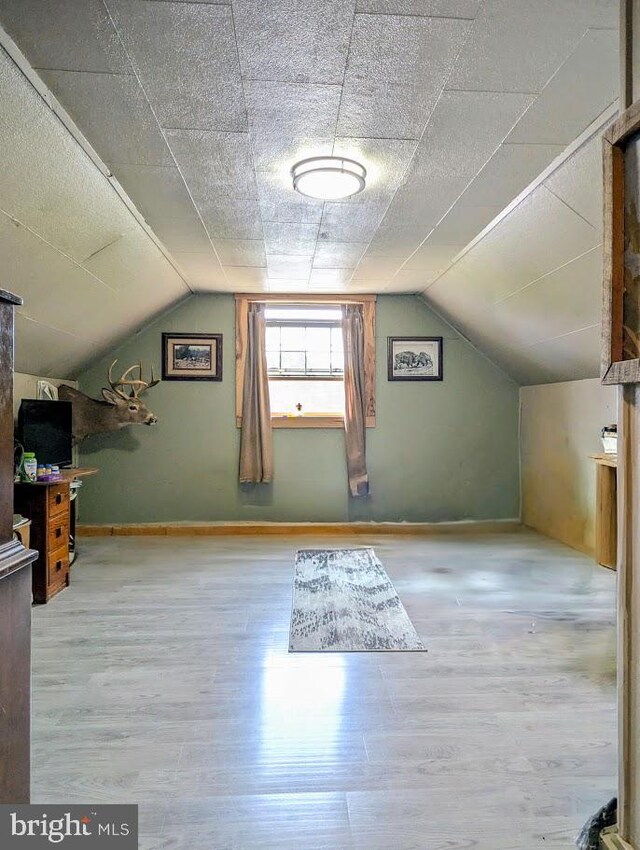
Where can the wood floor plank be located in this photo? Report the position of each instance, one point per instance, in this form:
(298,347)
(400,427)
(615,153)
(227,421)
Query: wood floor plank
(162,677)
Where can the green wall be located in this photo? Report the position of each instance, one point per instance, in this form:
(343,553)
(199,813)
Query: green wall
(440,451)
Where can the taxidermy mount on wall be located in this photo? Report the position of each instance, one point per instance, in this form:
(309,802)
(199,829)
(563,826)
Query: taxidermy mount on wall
(117,409)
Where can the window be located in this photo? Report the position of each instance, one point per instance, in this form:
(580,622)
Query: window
(305,358)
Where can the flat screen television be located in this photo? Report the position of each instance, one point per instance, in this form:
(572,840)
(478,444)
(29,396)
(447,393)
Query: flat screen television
(44,427)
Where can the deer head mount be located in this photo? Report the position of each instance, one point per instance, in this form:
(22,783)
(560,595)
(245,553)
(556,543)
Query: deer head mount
(121,405)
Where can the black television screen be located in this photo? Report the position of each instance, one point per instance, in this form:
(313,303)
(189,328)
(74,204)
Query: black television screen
(44,427)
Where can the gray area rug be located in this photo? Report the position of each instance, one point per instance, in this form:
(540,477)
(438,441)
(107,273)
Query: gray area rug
(343,601)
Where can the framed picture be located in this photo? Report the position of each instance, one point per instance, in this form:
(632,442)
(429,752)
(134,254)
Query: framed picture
(414,358)
(620,360)
(191,357)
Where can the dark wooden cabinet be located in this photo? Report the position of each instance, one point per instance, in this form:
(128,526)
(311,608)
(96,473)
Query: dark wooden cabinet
(15,596)
(47,506)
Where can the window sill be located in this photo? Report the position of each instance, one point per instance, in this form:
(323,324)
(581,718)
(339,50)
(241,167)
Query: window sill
(310,422)
(307,422)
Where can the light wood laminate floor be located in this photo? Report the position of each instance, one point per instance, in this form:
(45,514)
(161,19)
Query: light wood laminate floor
(162,677)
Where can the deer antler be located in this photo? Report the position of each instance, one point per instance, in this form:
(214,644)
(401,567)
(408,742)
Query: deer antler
(137,385)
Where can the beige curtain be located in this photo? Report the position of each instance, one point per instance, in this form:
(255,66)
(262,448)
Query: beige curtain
(256,442)
(355,402)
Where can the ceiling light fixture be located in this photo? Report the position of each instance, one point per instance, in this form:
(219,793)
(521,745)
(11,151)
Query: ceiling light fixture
(328,178)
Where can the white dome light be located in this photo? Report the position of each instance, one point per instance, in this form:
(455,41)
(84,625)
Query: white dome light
(328,178)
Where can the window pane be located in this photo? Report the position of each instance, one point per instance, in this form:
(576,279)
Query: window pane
(292,360)
(293,338)
(314,396)
(272,338)
(337,361)
(273,359)
(336,339)
(318,339)
(318,361)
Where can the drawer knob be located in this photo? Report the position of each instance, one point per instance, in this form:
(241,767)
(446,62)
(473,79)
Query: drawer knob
(58,498)
(58,565)
(58,532)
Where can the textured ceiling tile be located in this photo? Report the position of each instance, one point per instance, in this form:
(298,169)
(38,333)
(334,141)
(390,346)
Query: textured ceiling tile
(38,349)
(396,241)
(287,285)
(162,198)
(464,131)
(414,207)
(241,252)
(462,224)
(538,236)
(186,56)
(396,286)
(52,186)
(584,87)
(571,358)
(338,255)
(133,263)
(509,171)
(247,279)
(286,266)
(578,182)
(298,41)
(386,161)
(558,303)
(203,271)
(214,164)
(345,222)
(376,268)
(279,201)
(518,45)
(73,35)
(228,218)
(397,68)
(327,278)
(363,286)
(114,115)
(294,239)
(44,278)
(290,121)
(430,257)
(568,358)
(291,213)
(428,8)
(410,280)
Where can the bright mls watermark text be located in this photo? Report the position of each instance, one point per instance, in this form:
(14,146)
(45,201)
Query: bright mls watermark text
(113,827)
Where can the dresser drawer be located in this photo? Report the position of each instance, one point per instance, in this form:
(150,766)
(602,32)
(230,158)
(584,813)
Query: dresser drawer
(58,496)
(58,567)
(57,532)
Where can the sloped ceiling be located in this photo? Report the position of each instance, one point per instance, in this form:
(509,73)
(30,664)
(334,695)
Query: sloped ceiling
(200,108)
(528,291)
(87,270)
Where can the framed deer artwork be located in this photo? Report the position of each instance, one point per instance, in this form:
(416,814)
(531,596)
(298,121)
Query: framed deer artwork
(191,357)
(620,363)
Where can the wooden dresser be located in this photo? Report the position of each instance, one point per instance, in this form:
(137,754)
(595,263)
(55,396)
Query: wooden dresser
(48,507)
(15,596)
